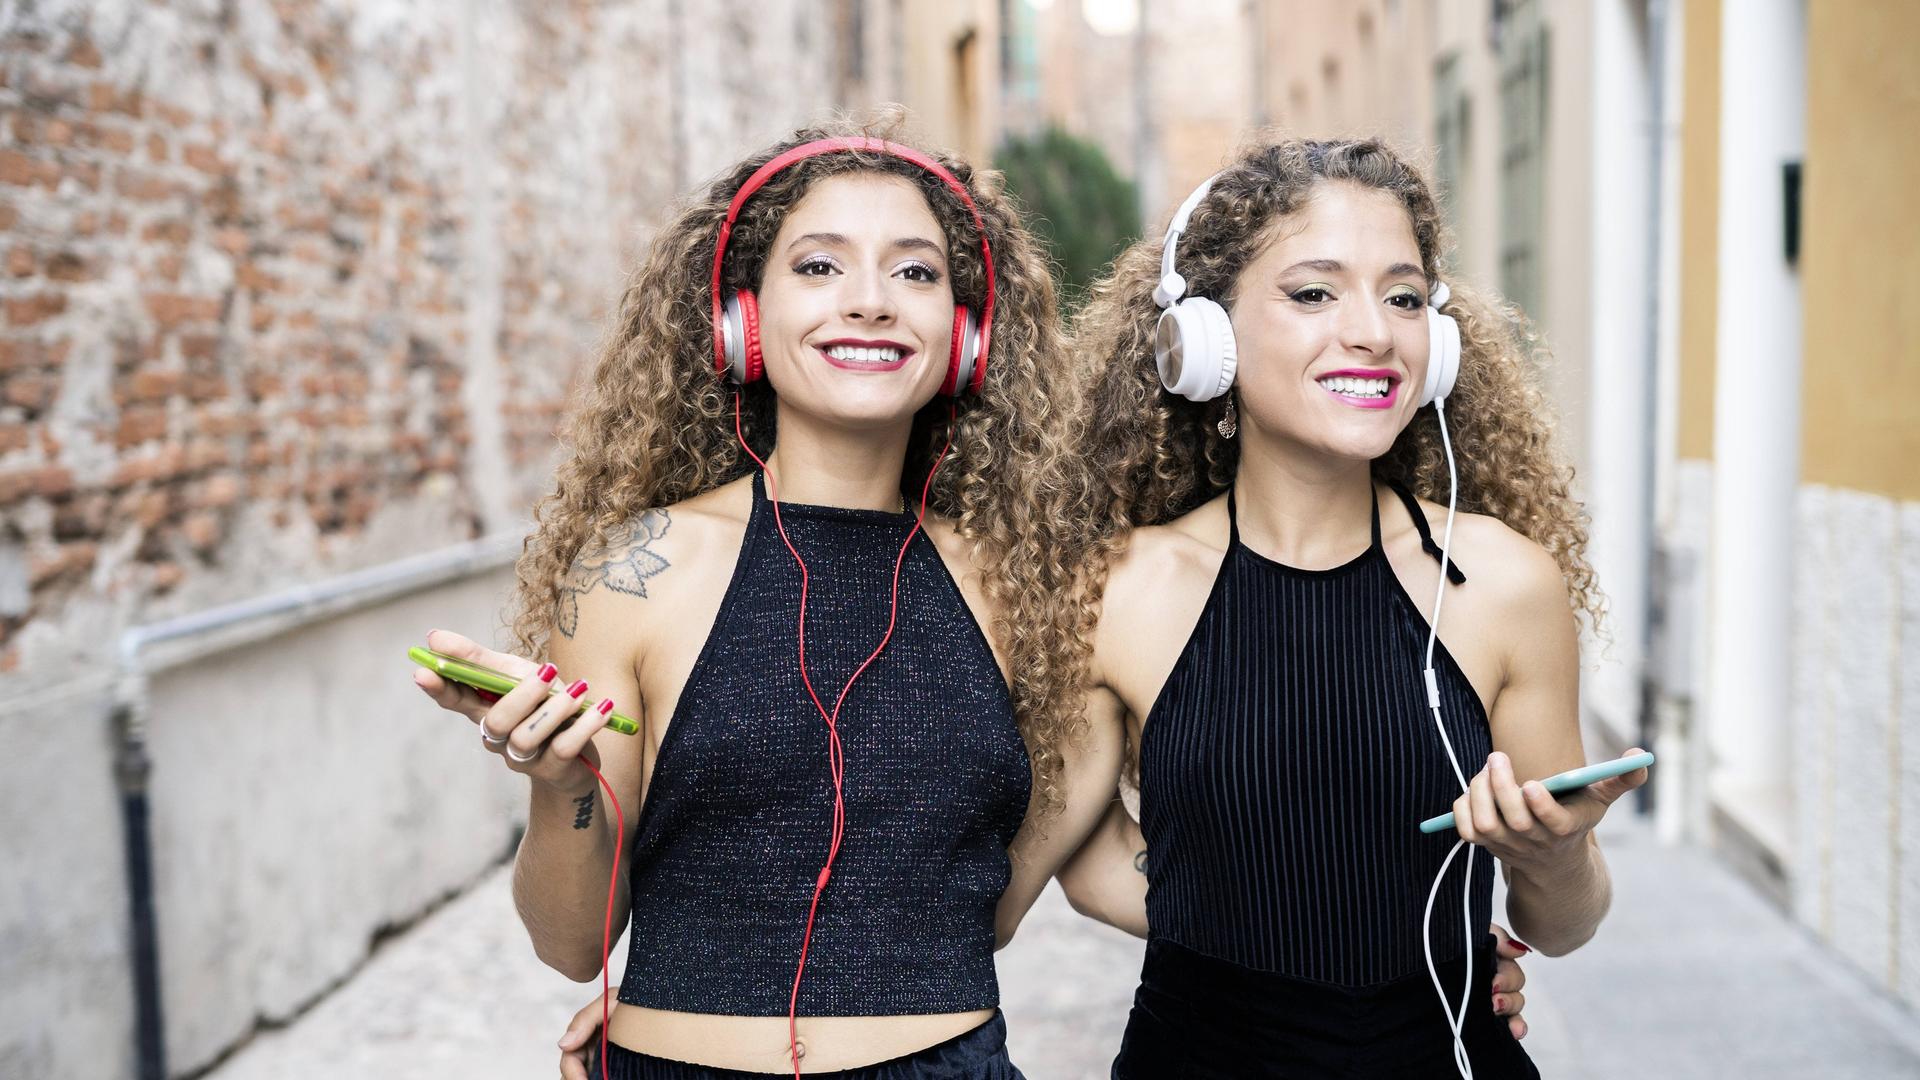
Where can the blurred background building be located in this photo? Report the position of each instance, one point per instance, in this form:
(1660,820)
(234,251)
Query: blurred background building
(294,292)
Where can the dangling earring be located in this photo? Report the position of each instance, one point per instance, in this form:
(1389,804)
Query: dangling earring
(1229,424)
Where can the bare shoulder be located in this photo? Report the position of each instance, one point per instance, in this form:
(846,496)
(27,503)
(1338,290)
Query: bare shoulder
(1512,572)
(1155,593)
(1162,558)
(653,558)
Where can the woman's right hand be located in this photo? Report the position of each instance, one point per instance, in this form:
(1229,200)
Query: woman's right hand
(531,728)
(582,1033)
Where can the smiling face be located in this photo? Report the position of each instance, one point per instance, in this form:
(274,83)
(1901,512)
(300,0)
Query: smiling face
(856,309)
(1330,326)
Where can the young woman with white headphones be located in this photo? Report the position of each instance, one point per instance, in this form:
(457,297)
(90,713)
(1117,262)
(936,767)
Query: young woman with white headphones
(1299,427)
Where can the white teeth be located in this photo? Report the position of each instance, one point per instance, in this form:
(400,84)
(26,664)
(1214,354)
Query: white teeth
(857,355)
(1356,387)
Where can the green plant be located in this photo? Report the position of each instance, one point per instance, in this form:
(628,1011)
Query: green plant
(1074,200)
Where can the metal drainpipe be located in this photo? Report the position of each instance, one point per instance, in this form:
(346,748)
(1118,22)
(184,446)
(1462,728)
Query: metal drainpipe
(1648,629)
(131,769)
(273,614)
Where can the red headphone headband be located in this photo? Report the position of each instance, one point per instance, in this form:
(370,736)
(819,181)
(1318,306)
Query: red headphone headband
(843,145)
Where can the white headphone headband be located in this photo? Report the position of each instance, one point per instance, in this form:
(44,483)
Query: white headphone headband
(1172,286)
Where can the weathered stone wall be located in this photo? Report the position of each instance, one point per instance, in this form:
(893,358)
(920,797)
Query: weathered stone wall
(289,288)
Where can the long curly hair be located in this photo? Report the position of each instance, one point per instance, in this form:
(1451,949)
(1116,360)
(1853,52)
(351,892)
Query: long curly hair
(655,423)
(1158,456)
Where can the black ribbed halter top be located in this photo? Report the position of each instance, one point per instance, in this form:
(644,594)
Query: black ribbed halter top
(1286,765)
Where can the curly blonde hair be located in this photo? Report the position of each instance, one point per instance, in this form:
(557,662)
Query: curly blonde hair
(655,423)
(1158,456)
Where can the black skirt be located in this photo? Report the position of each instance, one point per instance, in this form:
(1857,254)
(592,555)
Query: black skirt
(980,1054)
(1196,1016)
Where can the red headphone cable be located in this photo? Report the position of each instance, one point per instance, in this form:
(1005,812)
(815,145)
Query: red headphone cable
(606,929)
(836,755)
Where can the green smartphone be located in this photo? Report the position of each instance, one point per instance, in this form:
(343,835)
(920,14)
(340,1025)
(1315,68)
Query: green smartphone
(495,682)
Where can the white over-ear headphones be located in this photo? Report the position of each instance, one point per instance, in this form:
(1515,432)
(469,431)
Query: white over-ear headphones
(1193,341)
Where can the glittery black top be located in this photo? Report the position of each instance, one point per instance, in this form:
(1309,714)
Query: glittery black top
(737,821)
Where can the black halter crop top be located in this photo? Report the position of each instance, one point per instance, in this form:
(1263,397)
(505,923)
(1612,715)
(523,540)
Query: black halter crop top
(738,816)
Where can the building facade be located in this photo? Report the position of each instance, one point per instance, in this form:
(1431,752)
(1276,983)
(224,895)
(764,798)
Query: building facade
(1792,522)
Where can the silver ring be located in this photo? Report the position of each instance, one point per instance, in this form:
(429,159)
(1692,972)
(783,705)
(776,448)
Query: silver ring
(524,760)
(489,739)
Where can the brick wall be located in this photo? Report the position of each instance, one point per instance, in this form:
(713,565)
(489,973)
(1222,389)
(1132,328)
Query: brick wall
(288,289)
(292,287)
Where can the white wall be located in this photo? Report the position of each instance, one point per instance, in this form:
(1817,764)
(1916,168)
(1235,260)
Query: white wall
(65,1004)
(1856,727)
(303,795)
(298,807)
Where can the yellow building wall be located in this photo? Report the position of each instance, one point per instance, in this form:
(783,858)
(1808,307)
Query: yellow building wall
(1699,225)
(1860,249)
(950,74)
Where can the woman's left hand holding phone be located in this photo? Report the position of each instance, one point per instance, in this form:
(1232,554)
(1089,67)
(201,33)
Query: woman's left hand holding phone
(528,727)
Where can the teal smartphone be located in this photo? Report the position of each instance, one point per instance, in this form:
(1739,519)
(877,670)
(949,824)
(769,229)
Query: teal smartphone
(494,682)
(1571,780)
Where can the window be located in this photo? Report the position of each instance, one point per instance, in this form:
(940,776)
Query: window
(1524,60)
(1453,138)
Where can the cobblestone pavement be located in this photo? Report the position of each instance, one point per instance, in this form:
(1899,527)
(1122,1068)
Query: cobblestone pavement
(1693,976)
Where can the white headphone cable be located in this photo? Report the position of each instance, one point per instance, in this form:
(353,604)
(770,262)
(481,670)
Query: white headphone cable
(1455,1020)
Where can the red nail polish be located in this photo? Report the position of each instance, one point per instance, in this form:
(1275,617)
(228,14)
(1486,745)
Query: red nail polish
(605,707)
(546,673)
(1496,1003)
(1521,945)
(577,689)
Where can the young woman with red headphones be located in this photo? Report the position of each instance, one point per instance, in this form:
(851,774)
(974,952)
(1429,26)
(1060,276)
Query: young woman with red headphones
(795,531)
(1281,386)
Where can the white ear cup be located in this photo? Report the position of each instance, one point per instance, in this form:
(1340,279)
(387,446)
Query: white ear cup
(1194,349)
(1193,341)
(1443,348)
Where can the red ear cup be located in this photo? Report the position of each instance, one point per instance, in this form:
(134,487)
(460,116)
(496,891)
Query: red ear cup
(966,367)
(739,357)
(756,363)
(956,350)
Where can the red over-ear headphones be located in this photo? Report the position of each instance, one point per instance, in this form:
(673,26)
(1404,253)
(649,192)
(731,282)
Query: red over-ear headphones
(736,315)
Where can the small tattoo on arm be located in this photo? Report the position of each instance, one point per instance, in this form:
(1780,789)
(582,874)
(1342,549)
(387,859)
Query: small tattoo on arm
(583,810)
(624,562)
(1140,860)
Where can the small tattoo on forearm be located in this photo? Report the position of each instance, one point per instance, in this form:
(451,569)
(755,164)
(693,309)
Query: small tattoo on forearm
(623,561)
(1140,860)
(583,811)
